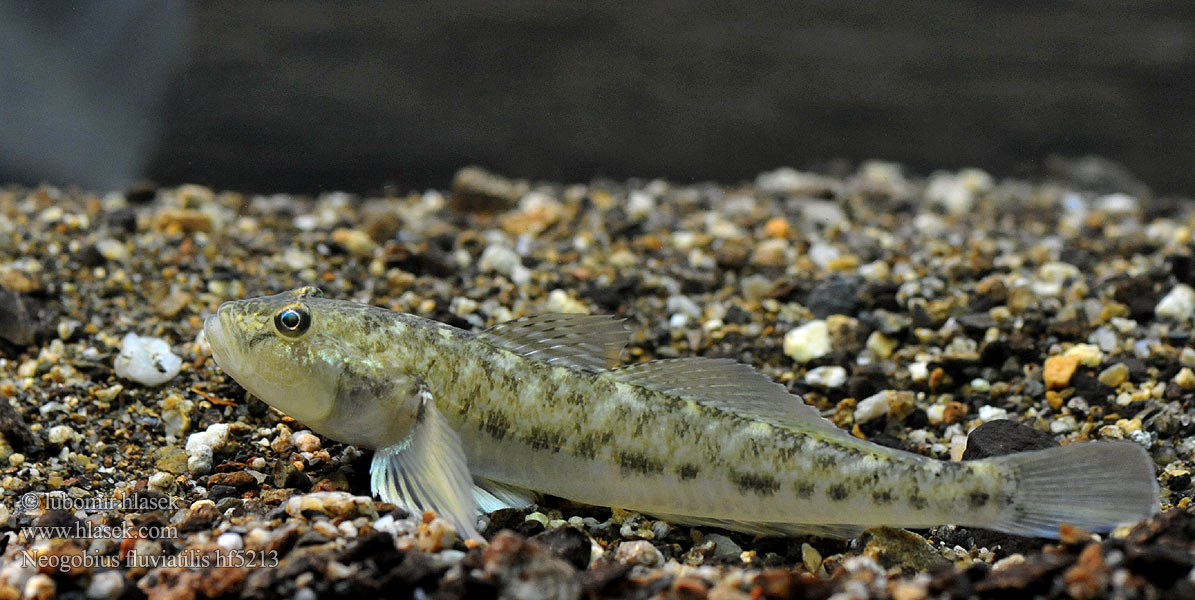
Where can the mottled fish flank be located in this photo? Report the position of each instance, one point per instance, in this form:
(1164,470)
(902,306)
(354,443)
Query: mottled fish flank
(467,421)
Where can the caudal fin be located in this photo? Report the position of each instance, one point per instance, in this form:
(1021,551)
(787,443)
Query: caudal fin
(1094,486)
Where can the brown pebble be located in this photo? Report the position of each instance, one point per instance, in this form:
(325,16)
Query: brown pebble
(1070,535)
(1086,579)
(182,220)
(237,479)
(1059,370)
(690,588)
(476,190)
(776,227)
(954,411)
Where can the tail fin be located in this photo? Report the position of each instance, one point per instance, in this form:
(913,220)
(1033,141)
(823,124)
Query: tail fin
(1095,486)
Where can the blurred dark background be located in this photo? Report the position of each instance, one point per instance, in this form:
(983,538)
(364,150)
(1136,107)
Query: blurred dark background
(308,96)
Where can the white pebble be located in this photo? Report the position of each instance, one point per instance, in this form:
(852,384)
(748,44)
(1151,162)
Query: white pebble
(640,204)
(106,585)
(1118,203)
(559,301)
(146,360)
(1178,304)
(214,437)
(831,377)
(230,540)
(61,434)
(638,552)
(200,463)
(112,249)
(992,413)
(501,259)
(1063,424)
(871,407)
(807,342)
(162,482)
(680,304)
(822,253)
(919,370)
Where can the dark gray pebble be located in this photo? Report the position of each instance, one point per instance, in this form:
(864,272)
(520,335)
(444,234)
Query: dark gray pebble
(997,438)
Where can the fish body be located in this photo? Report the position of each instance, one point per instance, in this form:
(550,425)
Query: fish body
(463,421)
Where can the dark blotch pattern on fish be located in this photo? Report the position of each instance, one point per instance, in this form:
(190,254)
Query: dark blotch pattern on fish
(544,439)
(805,489)
(687,472)
(764,485)
(838,492)
(495,424)
(639,463)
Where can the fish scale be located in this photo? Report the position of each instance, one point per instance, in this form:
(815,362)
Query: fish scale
(465,421)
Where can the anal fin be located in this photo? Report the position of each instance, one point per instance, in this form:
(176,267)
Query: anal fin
(493,495)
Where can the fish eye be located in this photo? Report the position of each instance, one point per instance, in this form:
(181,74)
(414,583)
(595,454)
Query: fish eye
(292,321)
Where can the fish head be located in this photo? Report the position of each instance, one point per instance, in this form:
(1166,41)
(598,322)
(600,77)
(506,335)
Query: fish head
(288,349)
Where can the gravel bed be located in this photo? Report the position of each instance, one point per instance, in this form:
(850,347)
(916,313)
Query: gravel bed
(909,309)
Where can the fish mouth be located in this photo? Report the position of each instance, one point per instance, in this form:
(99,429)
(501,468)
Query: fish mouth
(216,329)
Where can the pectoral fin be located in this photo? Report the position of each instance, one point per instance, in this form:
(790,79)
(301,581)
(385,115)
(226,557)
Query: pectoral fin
(427,471)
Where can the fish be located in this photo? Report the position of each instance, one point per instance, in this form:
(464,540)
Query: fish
(465,422)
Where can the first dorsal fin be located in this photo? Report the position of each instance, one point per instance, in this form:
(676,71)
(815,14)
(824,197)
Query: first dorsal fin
(587,342)
(727,385)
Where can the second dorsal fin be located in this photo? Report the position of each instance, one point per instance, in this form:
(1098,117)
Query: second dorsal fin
(727,385)
(587,342)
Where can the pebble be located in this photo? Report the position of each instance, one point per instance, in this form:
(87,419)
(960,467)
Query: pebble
(200,462)
(997,438)
(1089,355)
(357,242)
(1052,276)
(305,441)
(201,446)
(1059,370)
(146,360)
(724,547)
(214,437)
(230,541)
(1185,378)
(337,505)
(830,376)
(499,258)
(109,393)
(638,552)
(808,342)
(61,434)
(112,250)
(1114,375)
(880,345)
(162,482)
(871,407)
(560,301)
(1178,304)
(992,413)
(39,587)
(106,585)
(772,252)
(171,459)
(835,296)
